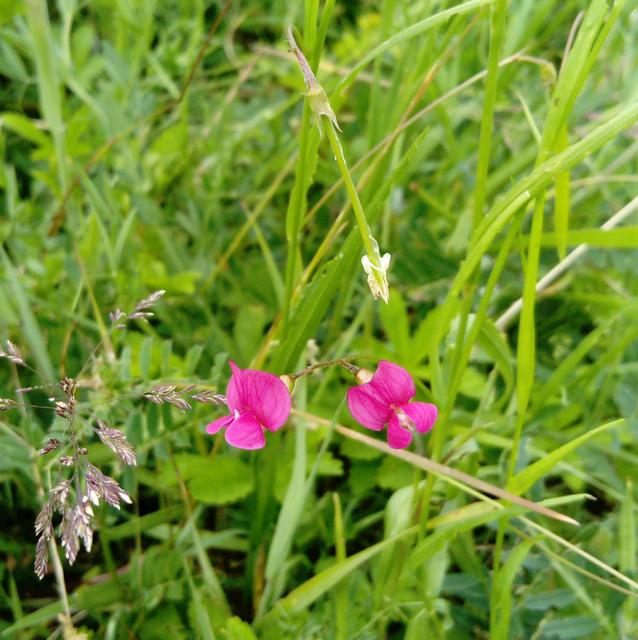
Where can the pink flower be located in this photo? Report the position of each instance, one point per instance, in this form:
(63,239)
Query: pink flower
(257,400)
(386,400)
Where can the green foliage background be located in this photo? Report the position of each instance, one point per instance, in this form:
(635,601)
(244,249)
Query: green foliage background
(153,145)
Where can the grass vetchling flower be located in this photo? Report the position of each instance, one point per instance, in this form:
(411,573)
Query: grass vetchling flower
(257,401)
(385,399)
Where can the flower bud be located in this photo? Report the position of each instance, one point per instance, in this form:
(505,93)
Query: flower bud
(377,276)
(288,381)
(363,376)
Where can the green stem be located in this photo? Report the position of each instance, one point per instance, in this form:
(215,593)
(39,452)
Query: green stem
(326,363)
(341,590)
(369,243)
(56,563)
(296,211)
(364,228)
(48,86)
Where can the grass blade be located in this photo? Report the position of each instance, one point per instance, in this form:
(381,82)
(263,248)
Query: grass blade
(523,480)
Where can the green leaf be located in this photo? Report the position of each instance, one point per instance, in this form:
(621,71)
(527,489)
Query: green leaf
(145,522)
(495,345)
(201,618)
(562,199)
(34,619)
(523,480)
(502,591)
(464,519)
(239,630)
(307,315)
(303,596)
(25,127)
(394,474)
(222,481)
(248,331)
(627,531)
(30,325)
(394,319)
(620,238)
(413,31)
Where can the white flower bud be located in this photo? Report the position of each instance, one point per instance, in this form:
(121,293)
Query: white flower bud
(377,276)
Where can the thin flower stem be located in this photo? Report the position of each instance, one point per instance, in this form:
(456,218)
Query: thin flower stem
(211,579)
(362,222)
(58,571)
(317,101)
(322,365)
(378,269)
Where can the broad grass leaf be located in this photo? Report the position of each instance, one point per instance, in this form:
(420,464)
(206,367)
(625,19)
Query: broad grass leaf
(562,200)
(495,345)
(523,480)
(307,315)
(143,523)
(197,610)
(307,593)
(26,128)
(572,628)
(413,31)
(627,532)
(502,591)
(320,291)
(248,331)
(464,519)
(36,618)
(30,326)
(620,238)
(394,319)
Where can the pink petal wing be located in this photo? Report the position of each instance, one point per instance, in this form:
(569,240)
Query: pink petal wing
(367,408)
(218,424)
(423,414)
(393,383)
(266,397)
(246,433)
(398,437)
(235,389)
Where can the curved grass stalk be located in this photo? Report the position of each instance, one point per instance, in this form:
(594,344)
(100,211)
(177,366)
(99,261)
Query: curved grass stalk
(460,479)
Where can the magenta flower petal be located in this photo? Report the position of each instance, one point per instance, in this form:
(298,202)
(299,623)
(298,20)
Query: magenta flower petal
(263,394)
(398,437)
(367,408)
(234,391)
(218,424)
(393,383)
(267,397)
(422,414)
(245,432)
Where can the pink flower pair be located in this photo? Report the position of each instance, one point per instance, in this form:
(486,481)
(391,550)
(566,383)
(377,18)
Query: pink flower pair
(260,401)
